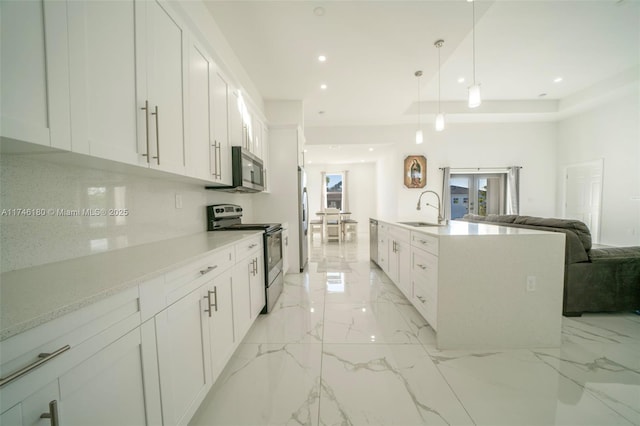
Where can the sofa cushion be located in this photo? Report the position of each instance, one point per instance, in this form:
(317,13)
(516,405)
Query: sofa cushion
(502,218)
(615,253)
(576,226)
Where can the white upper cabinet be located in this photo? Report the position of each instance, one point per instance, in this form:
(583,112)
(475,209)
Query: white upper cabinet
(208,153)
(34,82)
(222,157)
(102,55)
(161,93)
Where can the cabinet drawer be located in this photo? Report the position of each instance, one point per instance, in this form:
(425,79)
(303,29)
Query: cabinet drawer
(159,293)
(245,248)
(426,304)
(399,234)
(426,242)
(424,263)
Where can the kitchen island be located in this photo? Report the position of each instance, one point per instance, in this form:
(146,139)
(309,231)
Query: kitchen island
(478,285)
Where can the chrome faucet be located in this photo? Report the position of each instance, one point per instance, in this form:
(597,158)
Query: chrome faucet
(439,207)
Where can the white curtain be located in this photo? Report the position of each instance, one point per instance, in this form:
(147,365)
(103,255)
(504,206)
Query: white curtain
(446,194)
(345,198)
(513,190)
(323,190)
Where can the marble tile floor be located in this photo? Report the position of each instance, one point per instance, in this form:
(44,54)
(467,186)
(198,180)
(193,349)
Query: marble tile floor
(344,347)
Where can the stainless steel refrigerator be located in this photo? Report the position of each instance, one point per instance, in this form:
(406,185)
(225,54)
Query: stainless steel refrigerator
(303,217)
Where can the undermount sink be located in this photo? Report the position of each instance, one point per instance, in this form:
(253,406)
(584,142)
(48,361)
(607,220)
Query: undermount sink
(421,224)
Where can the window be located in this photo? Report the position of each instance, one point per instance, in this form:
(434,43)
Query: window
(334,190)
(481,193)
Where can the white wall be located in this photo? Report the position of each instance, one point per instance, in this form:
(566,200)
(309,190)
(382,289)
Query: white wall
(361,189)
(530,145)
(610,132)
(30,183)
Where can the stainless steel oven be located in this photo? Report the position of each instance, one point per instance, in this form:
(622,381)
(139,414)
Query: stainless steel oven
(227,217)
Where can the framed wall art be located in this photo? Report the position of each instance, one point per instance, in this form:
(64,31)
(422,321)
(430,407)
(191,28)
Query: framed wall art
(415,171)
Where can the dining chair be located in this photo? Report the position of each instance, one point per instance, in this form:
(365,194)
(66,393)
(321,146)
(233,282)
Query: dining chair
(332,224)
(316,226)
(349,229)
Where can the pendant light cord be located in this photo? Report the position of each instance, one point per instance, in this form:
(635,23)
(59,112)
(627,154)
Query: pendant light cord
(473,8)
(439,112)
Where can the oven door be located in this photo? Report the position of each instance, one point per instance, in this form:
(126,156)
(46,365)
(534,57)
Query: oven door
(274,253)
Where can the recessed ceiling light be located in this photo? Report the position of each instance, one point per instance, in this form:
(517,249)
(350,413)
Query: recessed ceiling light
(370,149)
(323,86)
(557,79)
(322,58)
(460,79)
(318,11)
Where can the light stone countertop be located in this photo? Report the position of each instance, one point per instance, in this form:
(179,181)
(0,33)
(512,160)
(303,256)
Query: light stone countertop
(456,227)
(32,296)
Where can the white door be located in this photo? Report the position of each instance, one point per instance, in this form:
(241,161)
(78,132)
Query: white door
(102,57)
(34,82)
(583,195)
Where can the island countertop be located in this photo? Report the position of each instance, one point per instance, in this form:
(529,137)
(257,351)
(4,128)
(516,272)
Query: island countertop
(32,296)
(456,227)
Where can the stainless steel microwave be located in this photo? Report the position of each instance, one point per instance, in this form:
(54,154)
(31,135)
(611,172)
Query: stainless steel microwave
(247,172)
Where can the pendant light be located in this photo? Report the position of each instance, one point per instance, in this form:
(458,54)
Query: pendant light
(419,136)
(474,91)
(440,116)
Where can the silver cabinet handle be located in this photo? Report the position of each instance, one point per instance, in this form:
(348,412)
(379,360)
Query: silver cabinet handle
(215,301)
(44,357)
(252,245)
(209,269)
(145,108)
(421,299)
(219,159)
(286,241)
(155,112)
(214,160)
(423,242)
(52,415)
(421,266)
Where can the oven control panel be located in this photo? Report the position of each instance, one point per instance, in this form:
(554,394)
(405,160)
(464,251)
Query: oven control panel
(219,211)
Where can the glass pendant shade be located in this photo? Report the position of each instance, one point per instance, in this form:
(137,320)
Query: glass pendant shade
(440,122)
(419,137)
(474,96)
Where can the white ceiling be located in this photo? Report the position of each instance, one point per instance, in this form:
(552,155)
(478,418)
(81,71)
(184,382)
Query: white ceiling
(374,48)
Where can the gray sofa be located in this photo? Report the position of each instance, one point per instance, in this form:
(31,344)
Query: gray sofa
(595,279)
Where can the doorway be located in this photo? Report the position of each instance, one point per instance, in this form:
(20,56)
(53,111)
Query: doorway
(583,195)
(477,193)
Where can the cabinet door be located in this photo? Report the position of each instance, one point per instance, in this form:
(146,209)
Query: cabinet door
(383,251)
(392,264)
(165,48)
(236,124)
(28,411)
(102,57)
(201,156)
(222,150)
(257,286)
(220,316)
(183,357)
(34,82)
(257,137)
(242,317)
(403,255)
(108,388)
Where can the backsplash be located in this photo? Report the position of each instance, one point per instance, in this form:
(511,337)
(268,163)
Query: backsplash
(77,211)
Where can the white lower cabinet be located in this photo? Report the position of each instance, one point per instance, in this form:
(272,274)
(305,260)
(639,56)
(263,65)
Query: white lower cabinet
(399,259)
(218,295)
(145,356)
(424,276)
(183,357)
(108,388)
(29,411)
